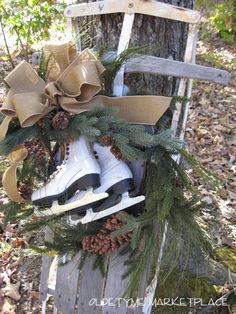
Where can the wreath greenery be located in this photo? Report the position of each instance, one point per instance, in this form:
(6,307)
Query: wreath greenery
(170,192)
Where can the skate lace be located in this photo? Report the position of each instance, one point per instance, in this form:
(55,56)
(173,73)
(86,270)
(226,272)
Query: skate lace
(62,165)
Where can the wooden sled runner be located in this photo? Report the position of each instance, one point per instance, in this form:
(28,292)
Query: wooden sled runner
(78,291)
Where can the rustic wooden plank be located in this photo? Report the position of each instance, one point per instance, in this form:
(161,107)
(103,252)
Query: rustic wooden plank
(91,285)
(156,65)
(47,262)
(116,286)
(52,276)
(66,286)
(123,44)
(167,67)
(150,7)
(189,52)
(45,270)
(188,94)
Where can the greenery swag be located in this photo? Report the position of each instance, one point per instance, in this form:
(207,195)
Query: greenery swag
(169,189)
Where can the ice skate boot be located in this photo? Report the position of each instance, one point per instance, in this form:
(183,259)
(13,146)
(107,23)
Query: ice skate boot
(117,180)
(79,171)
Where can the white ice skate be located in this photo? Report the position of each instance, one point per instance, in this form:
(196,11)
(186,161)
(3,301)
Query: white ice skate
(79,171)
(117,180)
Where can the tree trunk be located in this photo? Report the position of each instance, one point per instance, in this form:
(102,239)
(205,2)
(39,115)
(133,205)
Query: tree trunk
(166,36)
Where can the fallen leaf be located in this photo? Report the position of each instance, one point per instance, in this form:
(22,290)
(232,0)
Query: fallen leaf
(8,307)
(232,195)
(12,290)
(207,199)
(34,294)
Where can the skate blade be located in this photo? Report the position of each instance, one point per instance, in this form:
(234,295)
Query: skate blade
(57,209)
(125,202)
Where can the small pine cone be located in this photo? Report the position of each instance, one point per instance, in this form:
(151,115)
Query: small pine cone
(103,242)
(117,152)
(61,120)
(48,117)
(25,191)
(36,149)
(107,140)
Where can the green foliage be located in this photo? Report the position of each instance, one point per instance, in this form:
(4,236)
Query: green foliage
(3,167)
(30,20)
(16,212)
(227,256)
(99,263)
(113,66)
(139,260)
(17,137)
(169,191)
(223,17)
(66,239)
(186,286)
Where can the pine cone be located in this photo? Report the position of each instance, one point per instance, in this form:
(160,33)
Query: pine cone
(36,149)
(107,140)
(49,117)
(25,191)
(103,243)
(117,152)
(61,120)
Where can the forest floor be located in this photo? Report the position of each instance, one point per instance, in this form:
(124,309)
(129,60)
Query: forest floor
(211,138)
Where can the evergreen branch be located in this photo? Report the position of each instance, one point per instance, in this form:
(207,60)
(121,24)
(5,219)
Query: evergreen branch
(138,265)
(100,264)
(15,212)
(18,137)
(200,170)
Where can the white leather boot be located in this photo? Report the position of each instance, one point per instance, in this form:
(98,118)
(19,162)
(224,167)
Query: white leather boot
(116,180)
(79,171)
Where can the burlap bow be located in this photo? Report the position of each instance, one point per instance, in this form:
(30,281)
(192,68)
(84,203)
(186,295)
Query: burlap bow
(74,85)
(30,98)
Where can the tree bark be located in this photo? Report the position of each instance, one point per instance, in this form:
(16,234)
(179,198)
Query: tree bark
(168,37)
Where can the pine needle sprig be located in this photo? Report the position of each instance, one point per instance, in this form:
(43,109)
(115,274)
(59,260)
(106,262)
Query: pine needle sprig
(200,170)
(18,137)
(16,212)
(113,66)
(138,263)
(100,264)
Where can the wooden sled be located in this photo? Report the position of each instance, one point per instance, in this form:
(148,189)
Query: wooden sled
(82,291)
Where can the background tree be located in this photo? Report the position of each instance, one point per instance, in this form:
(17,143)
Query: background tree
(167,37)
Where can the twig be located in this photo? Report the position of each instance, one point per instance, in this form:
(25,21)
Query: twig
(6,45)
(27,40)
(21,43)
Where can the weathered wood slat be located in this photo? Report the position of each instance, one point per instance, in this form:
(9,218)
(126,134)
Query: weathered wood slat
(115,287)
(67,286)
(46,268)
(91,285)
(155,65)
(190,45)
(43,286)
(118,83)
(150,7)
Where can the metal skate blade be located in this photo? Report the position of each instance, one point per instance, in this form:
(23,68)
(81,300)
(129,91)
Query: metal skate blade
(57,209)
(126,202)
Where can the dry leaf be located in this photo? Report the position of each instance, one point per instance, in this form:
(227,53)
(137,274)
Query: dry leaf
(232,195)
(8,307)
(12,290)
